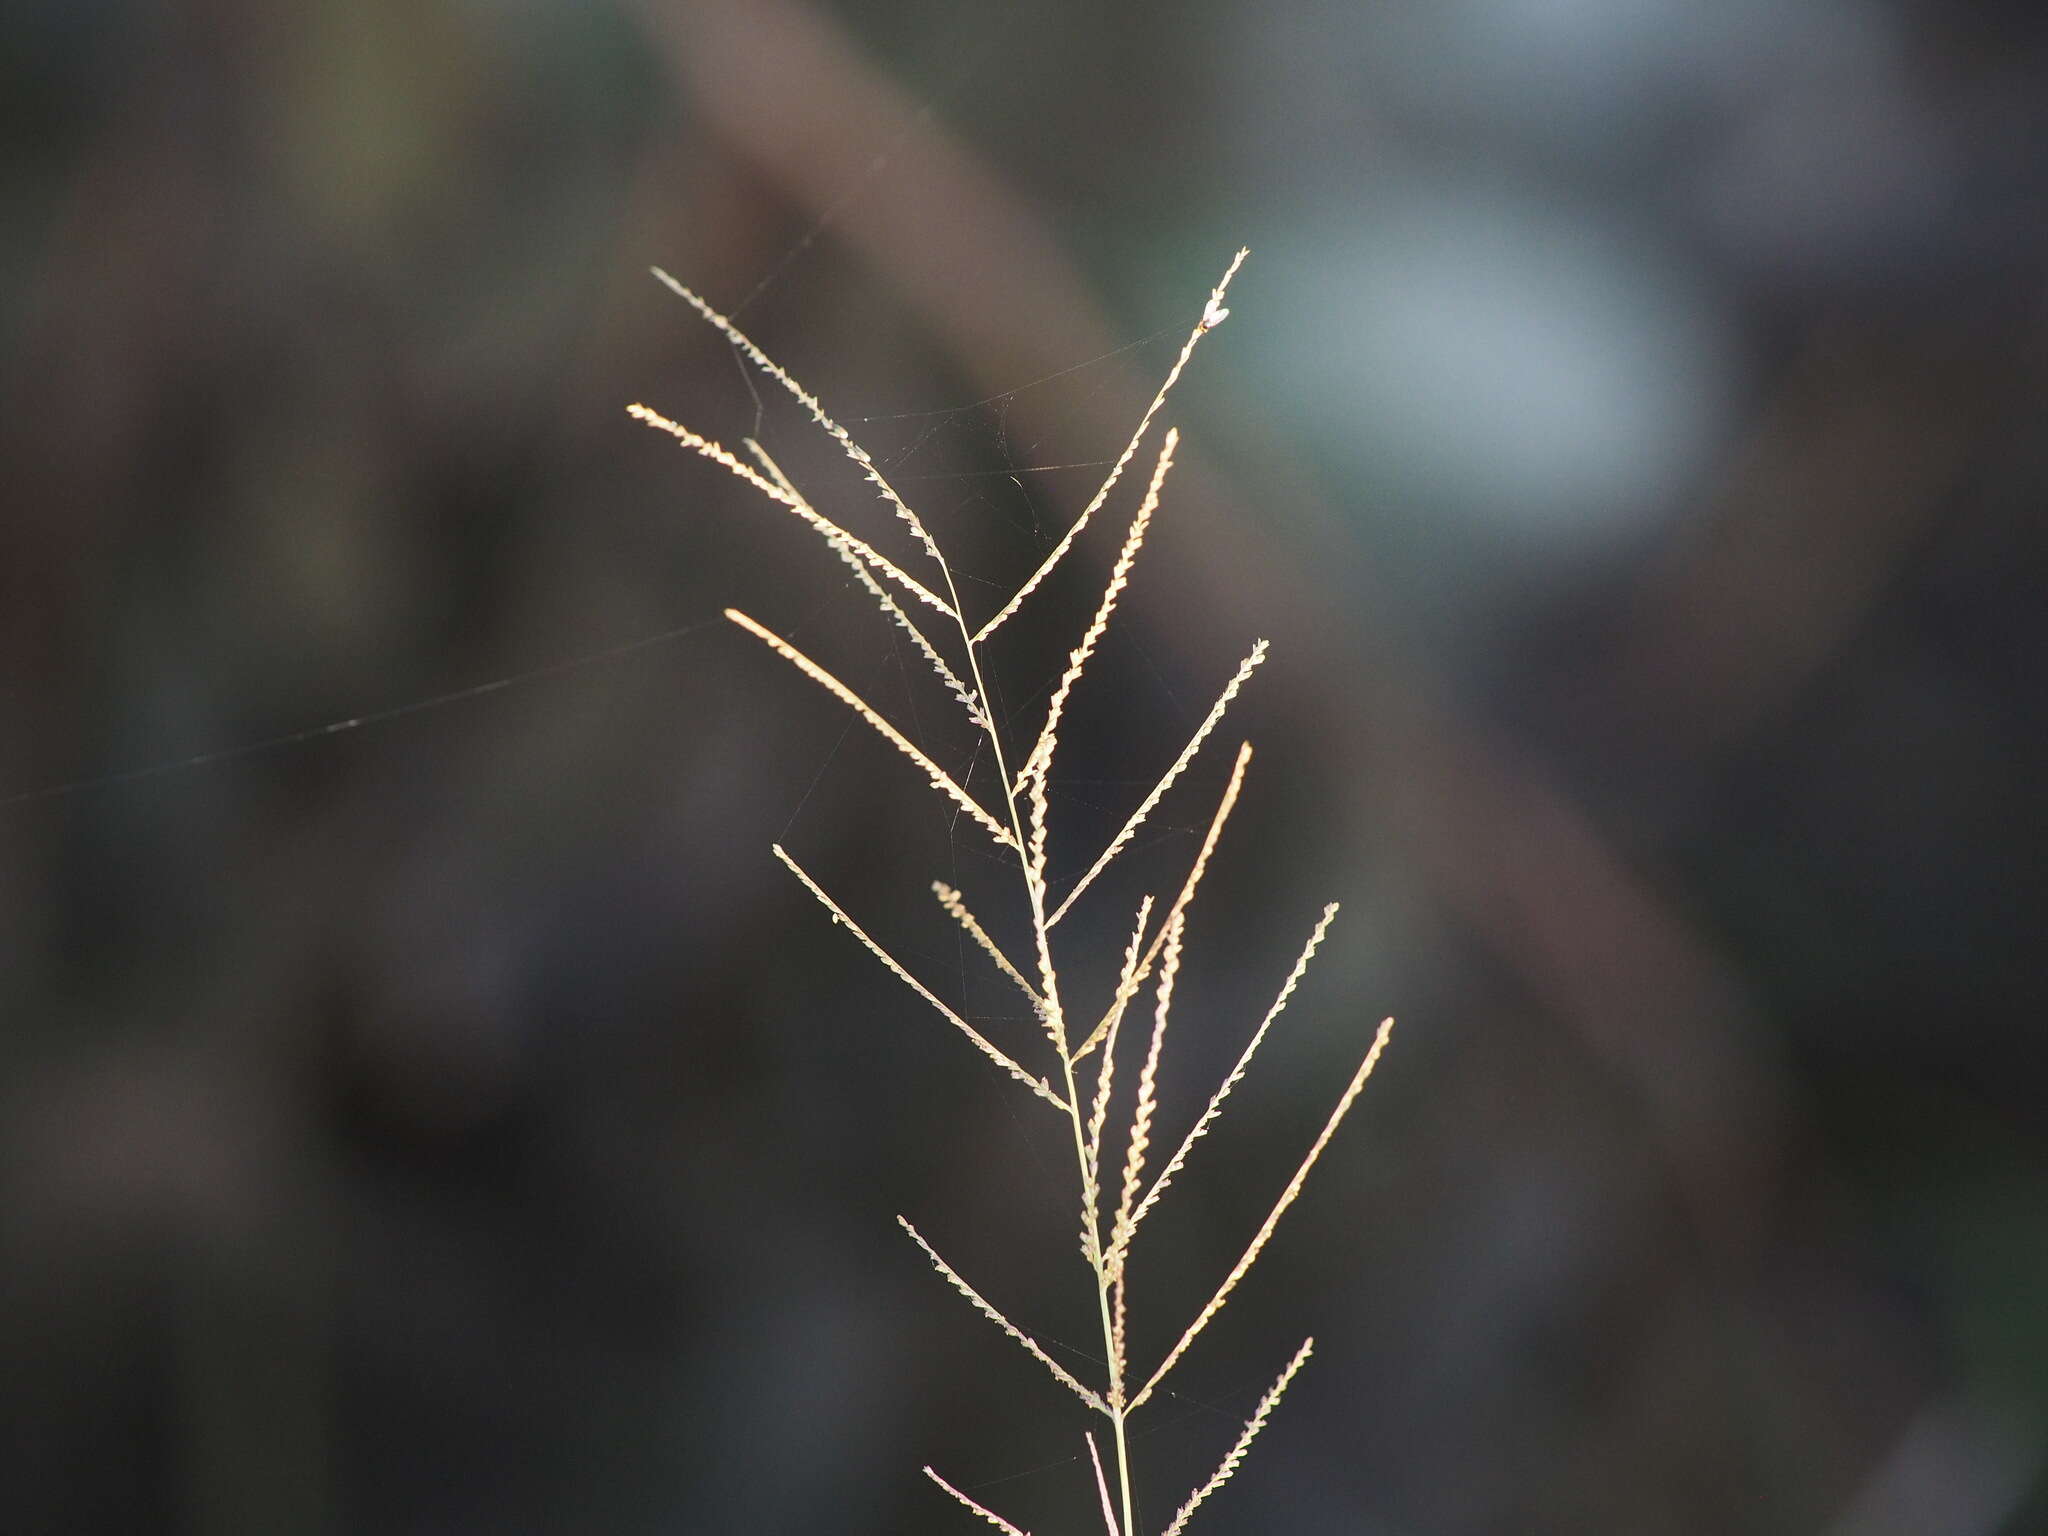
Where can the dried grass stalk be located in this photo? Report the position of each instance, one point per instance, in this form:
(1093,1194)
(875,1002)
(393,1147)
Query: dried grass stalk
(1112,1210)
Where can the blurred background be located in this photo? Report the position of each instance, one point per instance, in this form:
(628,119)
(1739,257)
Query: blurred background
(1628,433)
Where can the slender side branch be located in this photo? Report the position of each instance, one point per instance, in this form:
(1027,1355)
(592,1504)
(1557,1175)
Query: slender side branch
(1245,669)
(1102,1487)
(939,778)
(767,461)
(843,547)
(1252,1427)
(1127,985)
(786,495)
(1215,1105)
(1265,1232)
(1128,990)
(1060,1373)
(956,907)
(1039,760)
(1059,553)
(982,1510)
(893,611)
(982,1043)
(1117,1263)
(1126,1223)
(809,402)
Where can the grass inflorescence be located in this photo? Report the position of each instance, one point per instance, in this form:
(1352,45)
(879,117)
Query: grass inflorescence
(1119,1178)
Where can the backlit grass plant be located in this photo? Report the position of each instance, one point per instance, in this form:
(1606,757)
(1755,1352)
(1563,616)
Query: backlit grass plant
(1118,1175)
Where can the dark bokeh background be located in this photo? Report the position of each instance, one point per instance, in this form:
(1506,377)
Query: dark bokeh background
(1629,433)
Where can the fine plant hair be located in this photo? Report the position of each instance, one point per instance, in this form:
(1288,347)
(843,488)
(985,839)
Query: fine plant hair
(1119,1178)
